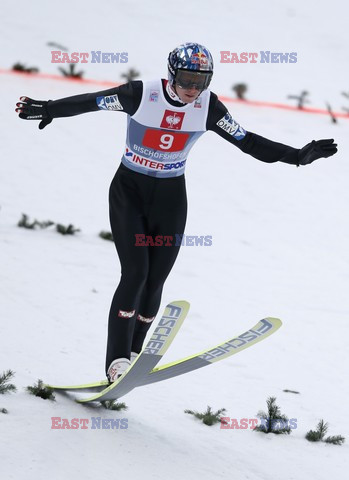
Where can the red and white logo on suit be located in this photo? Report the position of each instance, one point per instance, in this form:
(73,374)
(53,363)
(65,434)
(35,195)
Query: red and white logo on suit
(172,120)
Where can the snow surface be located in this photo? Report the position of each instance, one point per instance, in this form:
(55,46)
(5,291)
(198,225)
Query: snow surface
(280,248)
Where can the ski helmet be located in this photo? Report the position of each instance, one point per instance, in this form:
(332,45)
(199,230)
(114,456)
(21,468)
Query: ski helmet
(190,65)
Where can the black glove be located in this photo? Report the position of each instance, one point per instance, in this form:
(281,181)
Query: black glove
(316,149)
(30,109)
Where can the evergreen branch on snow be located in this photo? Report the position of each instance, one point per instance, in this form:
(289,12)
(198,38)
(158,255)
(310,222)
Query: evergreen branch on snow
(114,405)
(335,439)
(25,223)
(106,235)
(240,89)
(6,387)
(329,109)
(40,390)
(318,435)
(273,421)
(20,67)
(69,230)
(57,45)
(209,417)
(300,98)
(130,75)
(71,72)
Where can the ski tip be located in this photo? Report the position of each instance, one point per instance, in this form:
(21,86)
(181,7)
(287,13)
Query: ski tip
(275,321)
(184,304)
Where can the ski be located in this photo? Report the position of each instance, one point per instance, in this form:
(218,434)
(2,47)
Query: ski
(263,329)
(161,339)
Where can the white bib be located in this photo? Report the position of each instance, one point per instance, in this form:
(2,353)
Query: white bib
(160,136)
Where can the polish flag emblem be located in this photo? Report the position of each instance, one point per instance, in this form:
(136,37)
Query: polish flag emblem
(172,120)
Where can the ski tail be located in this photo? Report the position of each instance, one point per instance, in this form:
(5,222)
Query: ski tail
(83,388)
(162,337)
(263,329)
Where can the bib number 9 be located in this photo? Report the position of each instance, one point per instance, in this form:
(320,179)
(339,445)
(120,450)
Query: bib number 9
(166,141)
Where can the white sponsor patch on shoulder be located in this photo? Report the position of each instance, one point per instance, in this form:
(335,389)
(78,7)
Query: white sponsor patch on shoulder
(109,103)
(229,125)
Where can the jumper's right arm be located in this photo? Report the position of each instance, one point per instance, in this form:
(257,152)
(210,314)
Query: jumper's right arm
(125,98)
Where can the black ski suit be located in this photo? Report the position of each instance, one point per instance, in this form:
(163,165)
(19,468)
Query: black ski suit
(142,204)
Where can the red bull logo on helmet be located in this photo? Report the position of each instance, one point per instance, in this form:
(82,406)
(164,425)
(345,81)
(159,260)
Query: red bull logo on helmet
(199,59)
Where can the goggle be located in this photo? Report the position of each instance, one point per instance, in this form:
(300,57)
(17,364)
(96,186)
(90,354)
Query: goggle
(188,80)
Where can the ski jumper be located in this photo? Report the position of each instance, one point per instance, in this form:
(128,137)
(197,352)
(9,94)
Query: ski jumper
(147,196)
